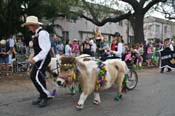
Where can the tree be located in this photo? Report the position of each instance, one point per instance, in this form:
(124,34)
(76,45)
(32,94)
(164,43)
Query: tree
(101,13)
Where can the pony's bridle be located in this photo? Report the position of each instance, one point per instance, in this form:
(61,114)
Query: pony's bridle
(58,66)
(67,67)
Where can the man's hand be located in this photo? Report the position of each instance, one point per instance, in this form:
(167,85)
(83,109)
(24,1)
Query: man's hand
(32,61)
(111,51)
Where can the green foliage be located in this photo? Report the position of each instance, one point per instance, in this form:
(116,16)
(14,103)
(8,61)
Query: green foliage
(9,17)
(13,13)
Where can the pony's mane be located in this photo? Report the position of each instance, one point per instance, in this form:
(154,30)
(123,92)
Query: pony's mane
(67,60)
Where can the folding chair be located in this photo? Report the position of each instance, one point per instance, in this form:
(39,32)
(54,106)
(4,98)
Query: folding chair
(21,63)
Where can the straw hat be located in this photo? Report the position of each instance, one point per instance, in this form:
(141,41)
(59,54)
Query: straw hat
(3,42)
(32,20)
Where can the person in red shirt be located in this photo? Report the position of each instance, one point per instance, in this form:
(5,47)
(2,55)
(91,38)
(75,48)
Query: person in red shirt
(114,45)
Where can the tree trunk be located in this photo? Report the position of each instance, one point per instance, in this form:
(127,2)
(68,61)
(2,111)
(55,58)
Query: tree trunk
(137,22)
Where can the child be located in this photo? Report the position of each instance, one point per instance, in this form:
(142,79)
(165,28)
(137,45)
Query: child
(150,52)
(139,61)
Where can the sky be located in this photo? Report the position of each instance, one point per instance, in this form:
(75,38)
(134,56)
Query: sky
(158,14)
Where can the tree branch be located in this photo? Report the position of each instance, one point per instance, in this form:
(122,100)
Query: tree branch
(168,15)
(91,10)
(106,20)
(152,3)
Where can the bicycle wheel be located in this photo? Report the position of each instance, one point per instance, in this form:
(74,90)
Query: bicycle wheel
(132,79)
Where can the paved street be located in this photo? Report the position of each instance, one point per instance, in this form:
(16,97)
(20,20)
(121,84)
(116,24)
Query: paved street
(154,96)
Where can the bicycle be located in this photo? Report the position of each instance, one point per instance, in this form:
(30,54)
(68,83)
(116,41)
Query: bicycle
(130,79)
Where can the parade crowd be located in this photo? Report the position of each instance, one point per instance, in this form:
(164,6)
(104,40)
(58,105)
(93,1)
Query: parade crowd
(138,54)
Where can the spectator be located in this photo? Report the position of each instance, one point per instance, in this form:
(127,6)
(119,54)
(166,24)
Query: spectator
(93,48)
(97,36)
(144,51)
(68,50)
(107,52)
(53,45)
(11,42)
(19,47)
(4,55)
(75,48)
(59,47)
(97,33)
(128,56)
(166,48)
(156,55)
(141,49)
(114,45)
(86,47)
(150,52)
(139,60)
(101,50)
(120,47)
(172,45)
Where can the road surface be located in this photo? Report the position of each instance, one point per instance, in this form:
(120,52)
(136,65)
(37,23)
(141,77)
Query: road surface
(154,96)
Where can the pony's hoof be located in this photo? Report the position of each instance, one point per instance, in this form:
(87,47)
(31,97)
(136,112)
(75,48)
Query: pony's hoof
(96,102)
(79,107)
(117,98)
(73,92)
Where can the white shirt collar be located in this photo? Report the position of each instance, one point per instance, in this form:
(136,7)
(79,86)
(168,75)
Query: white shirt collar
(38,29)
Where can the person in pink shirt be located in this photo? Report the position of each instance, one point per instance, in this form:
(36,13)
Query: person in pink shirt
(75,48)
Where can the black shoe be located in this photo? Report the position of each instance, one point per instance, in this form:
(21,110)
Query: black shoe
(43,103)
(169,70)
(161,71)
(37,101)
